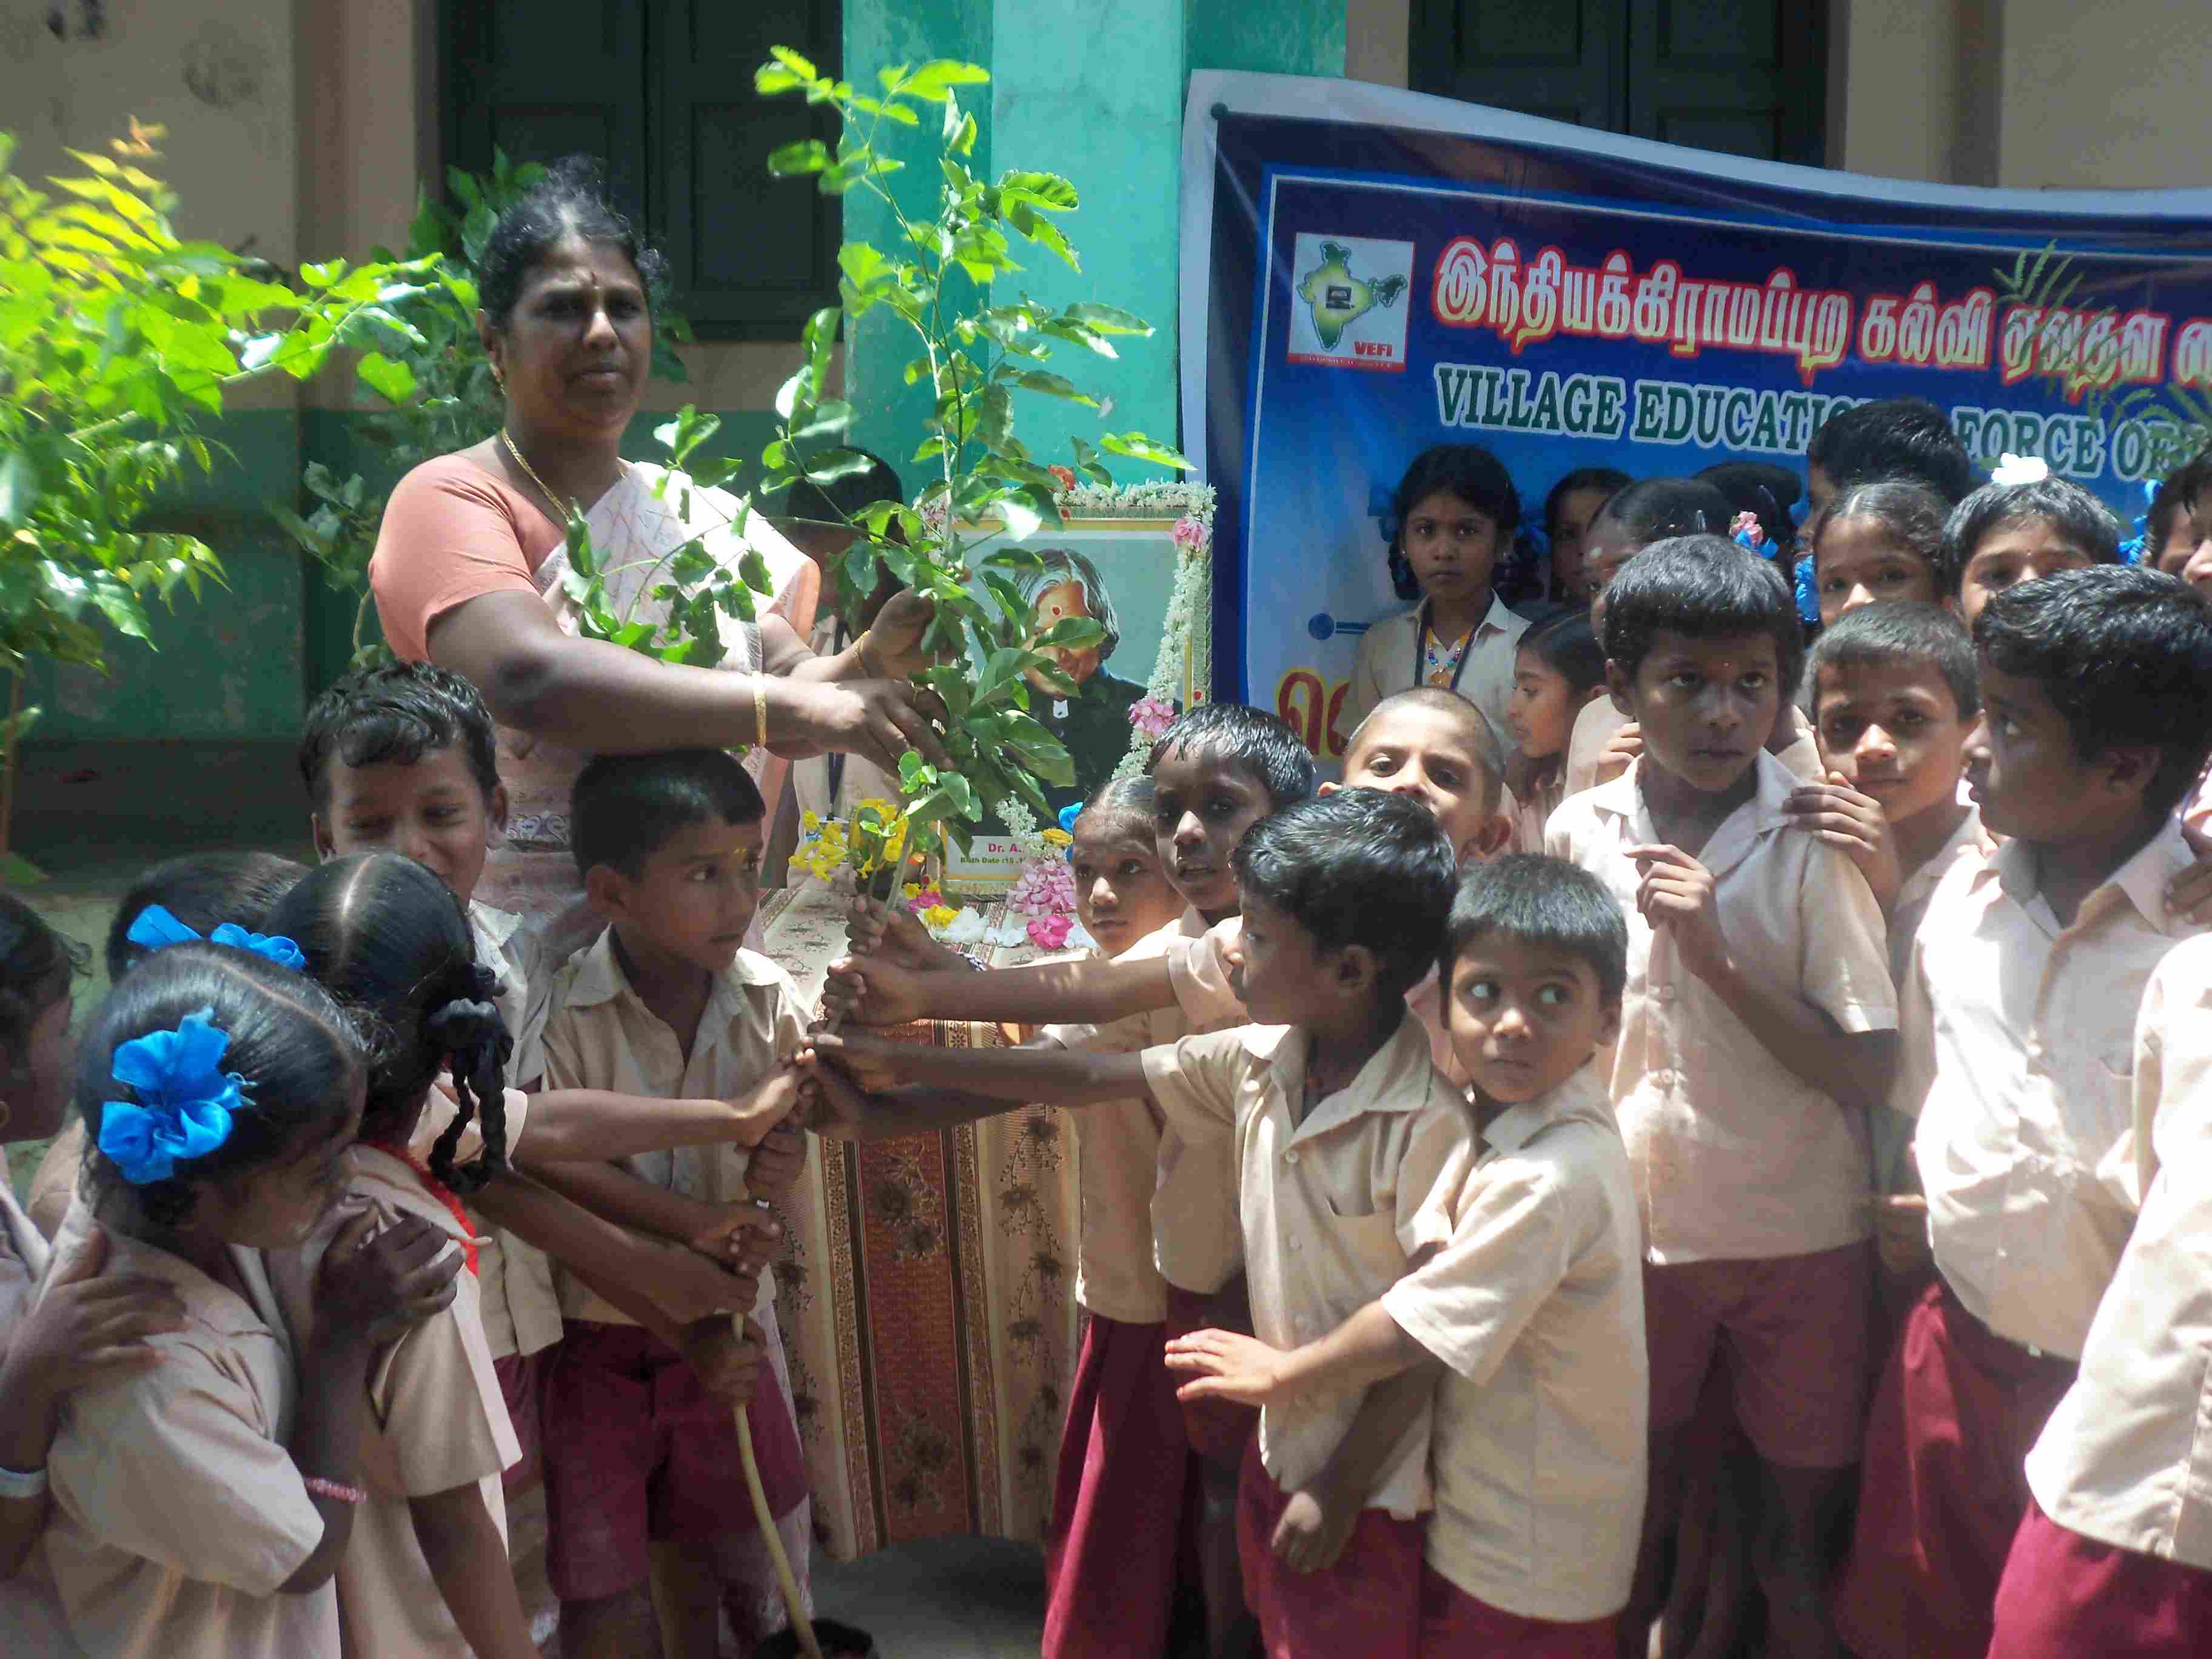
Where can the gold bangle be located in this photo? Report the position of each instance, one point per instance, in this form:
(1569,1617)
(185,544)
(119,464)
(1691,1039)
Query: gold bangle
(760,709)
(860,652)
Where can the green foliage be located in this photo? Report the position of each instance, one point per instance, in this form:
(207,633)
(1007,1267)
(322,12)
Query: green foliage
(428,383)
(985,484)
(118,340)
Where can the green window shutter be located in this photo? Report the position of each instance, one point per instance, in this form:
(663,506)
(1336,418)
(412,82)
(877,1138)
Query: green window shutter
(1746,76)
(542,79)
(751,256)
(1560,59)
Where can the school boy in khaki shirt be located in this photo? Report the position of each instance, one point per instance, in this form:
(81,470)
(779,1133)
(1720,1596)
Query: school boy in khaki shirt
(1349,1147)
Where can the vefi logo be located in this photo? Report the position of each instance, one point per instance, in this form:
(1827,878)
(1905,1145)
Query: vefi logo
(1347,314)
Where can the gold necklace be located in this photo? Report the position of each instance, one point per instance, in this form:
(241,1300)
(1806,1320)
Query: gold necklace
(560,513)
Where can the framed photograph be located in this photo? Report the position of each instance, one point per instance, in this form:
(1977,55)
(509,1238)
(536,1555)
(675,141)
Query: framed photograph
(1119,571)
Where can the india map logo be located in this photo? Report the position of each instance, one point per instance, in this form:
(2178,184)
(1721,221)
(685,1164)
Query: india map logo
(1345,312)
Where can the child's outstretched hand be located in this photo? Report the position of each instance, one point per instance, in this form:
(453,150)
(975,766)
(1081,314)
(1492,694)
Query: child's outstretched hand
(894,933)
(1229,1366)
(1313,1531)
(776,1161)
(841,1102)
(86,1330)
(1678,894)
(378,1284)
(742,1240)
(1839,814)
(727,1365)
(777,1099)
(870,991)
(1626,744)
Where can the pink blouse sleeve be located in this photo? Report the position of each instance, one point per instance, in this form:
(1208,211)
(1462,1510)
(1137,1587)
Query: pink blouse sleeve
(451,533)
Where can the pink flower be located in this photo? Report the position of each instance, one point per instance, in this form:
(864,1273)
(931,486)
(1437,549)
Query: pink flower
(1046,887)
(1050,933)
(925,901)
(1745,531)
(1189,535)
(1152,717)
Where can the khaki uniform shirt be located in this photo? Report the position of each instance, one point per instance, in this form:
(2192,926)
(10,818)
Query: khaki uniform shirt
(1335,1208)
(600,1034)
(177,1511)
(1736,1156)
(1537,1307)
(2018,1059)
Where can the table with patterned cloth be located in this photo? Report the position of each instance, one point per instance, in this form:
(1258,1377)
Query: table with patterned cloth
(927,1295)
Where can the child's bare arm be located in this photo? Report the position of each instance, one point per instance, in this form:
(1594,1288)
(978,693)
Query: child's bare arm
(1319,1517)
(566,1125)
(1066,1077)
(870,991)
(1369,1347)
(851,1112)
(683,1282)
(468,1560)
(1852,1067)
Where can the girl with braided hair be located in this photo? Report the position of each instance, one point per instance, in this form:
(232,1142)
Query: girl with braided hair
(427,1571)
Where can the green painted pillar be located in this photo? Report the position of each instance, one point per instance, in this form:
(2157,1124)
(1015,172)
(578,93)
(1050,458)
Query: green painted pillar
(1280,37)
(879,33)
(1095,92)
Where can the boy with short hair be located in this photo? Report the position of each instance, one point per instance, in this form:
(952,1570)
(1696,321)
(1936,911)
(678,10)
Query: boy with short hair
(1756,1030)
(2005,534)
(1888,438)
(1348,1147)
(667,1003)
(1534,1310)
(2019,1017)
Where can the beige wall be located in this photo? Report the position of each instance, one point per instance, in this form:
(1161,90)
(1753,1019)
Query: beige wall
(220,76)
(1375,38)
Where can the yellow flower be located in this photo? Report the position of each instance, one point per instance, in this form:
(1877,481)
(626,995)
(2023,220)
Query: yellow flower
(912,889)
(939,915)
(812,820)
(1058,838)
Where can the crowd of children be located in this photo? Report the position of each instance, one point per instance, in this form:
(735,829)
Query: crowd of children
(1683,1114)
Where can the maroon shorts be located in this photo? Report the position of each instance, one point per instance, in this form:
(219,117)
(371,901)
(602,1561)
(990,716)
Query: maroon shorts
(2064,1596)
(1941,1491)
(1369,1603)
(637,1452)
(1120,1504)
(1452,1621)
(520,1377)
(1793,1333)
(1217,1430)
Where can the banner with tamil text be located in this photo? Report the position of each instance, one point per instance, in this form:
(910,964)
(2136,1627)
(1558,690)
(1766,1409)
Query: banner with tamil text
(1367,272)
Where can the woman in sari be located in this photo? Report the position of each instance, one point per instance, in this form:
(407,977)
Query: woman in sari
(469,572)
(471,560)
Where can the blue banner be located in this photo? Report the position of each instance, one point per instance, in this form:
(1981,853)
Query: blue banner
(1368,272)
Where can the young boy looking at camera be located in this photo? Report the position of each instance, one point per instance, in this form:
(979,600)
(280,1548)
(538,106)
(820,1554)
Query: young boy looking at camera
(1756,1030)
(1533,1312)
(1347,1147)
(2019,1017)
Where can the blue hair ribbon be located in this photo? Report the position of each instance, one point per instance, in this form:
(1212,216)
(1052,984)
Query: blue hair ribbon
(156,929)
(2133,548)
(185,1100)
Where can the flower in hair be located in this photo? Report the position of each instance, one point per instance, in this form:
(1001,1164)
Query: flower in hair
(156,929)
(185,1104)
(1745,532)
(2012,469)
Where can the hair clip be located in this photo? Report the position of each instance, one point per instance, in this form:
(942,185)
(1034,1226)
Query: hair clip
(1746,531)
(2012,469)
(185,1104)
(156,929)
(1068,816)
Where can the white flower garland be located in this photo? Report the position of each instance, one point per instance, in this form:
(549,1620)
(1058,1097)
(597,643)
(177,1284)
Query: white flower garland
(1186,636)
